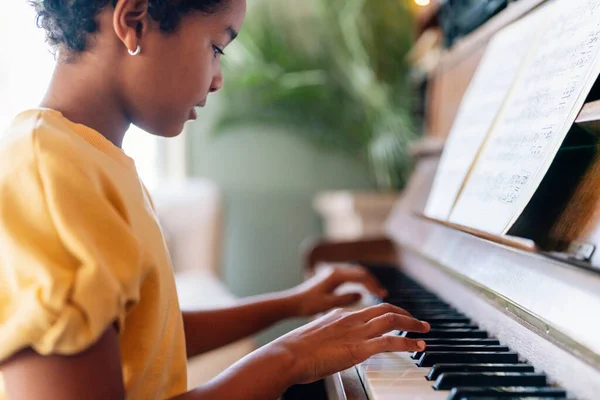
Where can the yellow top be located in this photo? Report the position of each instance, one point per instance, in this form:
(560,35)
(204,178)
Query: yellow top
(81,249)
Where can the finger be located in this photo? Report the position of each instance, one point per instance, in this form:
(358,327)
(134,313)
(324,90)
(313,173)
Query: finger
(390,343)
(391,321)
(344,299)
(356,275)
(375,311)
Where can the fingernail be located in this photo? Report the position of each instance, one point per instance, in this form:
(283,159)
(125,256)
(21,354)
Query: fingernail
(421,345)
(426,325)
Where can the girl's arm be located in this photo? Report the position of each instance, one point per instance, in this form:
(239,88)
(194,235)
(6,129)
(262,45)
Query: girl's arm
(209,329)
(92,374)
(329,344)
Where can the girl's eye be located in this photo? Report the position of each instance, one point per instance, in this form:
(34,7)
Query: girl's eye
(218,51)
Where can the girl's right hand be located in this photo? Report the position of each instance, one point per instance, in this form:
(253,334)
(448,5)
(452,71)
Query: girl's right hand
(342,339)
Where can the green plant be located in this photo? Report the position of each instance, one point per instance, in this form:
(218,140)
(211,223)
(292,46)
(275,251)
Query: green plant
(333,70)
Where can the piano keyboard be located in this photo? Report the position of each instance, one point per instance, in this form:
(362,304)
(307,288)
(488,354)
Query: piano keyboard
(461,361)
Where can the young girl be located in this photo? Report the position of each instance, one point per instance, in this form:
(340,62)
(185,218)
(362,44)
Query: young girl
(88,308)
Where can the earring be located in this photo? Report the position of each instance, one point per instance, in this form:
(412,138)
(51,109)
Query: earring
(136,52)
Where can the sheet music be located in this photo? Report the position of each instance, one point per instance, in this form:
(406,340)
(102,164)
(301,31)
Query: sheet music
(498,68)
(541,108)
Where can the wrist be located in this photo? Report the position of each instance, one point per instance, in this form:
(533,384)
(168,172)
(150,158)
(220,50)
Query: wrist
(292,303)
(283,364)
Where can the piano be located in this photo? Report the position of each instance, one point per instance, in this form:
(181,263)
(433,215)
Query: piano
(507,322)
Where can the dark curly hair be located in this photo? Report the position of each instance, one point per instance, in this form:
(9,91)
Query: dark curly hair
(69,23)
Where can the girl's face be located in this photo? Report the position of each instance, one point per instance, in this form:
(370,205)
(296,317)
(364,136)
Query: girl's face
(176,72)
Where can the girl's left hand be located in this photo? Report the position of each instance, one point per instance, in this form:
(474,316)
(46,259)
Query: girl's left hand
(317,294)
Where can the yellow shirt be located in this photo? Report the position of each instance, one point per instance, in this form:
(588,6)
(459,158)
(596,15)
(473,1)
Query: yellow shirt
(80,248)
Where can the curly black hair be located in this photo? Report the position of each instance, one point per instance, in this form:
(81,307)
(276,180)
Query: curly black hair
(69,23)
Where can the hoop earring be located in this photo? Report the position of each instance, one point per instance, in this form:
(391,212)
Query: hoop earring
(136,52)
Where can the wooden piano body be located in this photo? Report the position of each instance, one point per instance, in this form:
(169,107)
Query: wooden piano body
(544,307)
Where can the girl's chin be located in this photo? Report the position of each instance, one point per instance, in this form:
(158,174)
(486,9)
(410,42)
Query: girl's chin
(193,115)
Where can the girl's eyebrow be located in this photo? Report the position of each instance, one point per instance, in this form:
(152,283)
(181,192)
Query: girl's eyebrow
(232,33)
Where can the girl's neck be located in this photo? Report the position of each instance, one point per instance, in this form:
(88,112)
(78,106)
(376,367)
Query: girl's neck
(86,96)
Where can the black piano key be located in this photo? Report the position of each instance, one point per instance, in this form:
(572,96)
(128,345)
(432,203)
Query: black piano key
(435,315)
(450,320)
(448,333)
(416,303)
(439,369)
(455,328)
(432,358)
(431,312)
(426,313)
(418,296)
(506,392)
(449,380)
(463,342)
(406,292)
(461,349)
(453,325)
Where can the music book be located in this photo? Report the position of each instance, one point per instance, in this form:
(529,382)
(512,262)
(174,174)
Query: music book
(496,158)
(487,91)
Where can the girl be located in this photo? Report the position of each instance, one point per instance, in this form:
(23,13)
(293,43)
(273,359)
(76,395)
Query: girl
(88,308)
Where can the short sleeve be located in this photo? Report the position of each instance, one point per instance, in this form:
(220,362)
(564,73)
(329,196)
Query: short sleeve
(69,261)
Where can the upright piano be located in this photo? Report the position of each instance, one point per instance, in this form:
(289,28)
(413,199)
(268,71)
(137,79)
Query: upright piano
(507,322)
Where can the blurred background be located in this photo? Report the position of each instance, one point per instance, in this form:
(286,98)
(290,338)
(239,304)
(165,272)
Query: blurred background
(310,136)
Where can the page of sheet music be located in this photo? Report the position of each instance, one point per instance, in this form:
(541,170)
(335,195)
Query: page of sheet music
(495,75)
(533,123)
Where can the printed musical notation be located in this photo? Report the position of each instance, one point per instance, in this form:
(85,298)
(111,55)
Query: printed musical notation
(535,119)
(497,71)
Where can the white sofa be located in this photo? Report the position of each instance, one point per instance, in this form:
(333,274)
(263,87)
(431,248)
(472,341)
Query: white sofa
(191,216)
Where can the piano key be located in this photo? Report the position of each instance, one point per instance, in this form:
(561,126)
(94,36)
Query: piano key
(453,325)
(394,376)
(465,329)
(419,296)
(506,392)
(431,312)
(438,369)
(432,358)
(449,380)
(448,333)
(442,320)
(425,316)
(416,302)
(427,313)
(466,349)
(463,342)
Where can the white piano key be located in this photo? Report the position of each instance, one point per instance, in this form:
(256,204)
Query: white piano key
(394,376)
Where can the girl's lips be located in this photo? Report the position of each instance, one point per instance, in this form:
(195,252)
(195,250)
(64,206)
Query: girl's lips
(193,114)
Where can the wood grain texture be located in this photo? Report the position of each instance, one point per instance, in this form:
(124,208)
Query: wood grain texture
(450,82)
(369,250)
(580,219)
(427,147)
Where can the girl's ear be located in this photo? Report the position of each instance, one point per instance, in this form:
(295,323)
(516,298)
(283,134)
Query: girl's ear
(130,22)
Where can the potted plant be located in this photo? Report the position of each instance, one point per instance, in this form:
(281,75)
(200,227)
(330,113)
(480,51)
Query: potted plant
(335,71)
